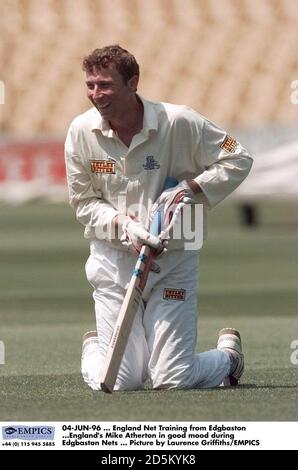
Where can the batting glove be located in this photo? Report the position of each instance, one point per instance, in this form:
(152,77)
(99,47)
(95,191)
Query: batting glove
(172,200)
(135,235)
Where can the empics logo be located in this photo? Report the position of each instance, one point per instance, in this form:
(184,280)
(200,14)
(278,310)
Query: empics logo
(10,431)
(28,433)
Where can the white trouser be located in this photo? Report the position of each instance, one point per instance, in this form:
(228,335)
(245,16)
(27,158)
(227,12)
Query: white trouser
(162,342)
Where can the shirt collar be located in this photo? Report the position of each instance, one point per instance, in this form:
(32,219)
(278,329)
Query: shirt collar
(150,120)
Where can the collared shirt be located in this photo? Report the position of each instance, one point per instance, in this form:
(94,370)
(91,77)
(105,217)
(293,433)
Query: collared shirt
(106,178)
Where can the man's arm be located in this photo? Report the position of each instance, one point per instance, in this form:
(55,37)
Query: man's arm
(226,164)
(91,210)
(99,217)
(194,186)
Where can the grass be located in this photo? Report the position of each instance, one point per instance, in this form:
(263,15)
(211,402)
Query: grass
(248,280)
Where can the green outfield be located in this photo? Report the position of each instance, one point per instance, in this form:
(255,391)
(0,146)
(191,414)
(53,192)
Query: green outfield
(248,281)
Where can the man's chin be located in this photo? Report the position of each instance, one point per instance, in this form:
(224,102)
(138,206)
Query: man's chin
(105,113)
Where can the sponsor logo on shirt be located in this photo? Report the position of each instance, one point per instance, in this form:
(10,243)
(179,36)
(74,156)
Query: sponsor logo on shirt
(103,166)
(174,294)
(151,163)
(229,144)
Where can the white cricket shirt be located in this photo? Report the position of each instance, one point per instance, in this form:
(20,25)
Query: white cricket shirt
(105,177)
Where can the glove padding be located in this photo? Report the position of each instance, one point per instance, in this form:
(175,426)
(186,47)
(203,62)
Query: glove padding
(135,235)
(172,200)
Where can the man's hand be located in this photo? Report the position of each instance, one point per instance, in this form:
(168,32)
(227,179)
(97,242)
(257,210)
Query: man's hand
(171,203)
(133,235)
(172,200)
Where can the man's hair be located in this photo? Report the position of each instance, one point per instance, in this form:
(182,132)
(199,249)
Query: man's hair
(124,62)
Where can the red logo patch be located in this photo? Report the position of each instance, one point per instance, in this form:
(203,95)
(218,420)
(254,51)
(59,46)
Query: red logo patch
(103,166)
(229,144)
(174,294)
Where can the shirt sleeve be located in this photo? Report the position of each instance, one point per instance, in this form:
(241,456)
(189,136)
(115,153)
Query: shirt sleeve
(226,163)
(91,209)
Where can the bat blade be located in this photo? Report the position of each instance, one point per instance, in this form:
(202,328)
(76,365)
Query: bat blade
(125,320)
(120,337)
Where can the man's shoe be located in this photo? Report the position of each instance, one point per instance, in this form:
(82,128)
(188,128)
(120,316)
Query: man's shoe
(229,341)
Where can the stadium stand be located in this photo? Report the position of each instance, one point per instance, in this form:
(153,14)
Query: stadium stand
(232,60)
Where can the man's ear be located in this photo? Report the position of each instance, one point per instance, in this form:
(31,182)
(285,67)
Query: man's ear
(133,83)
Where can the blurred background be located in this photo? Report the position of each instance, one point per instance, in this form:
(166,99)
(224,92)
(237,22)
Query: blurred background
(234,61)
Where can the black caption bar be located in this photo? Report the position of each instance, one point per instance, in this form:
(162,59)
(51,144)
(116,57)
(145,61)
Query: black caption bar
(137,459)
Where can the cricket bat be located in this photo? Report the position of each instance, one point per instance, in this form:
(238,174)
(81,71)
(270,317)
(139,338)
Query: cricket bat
(130,306)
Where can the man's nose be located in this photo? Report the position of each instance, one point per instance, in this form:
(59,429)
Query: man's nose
(97,93)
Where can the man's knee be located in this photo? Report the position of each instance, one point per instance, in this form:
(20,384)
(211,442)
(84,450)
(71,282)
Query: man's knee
(129,378)
(128,385)
(92,378)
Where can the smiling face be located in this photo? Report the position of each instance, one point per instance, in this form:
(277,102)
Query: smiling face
(109,93)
